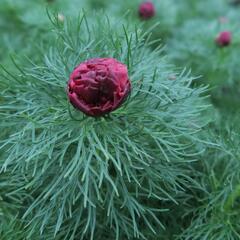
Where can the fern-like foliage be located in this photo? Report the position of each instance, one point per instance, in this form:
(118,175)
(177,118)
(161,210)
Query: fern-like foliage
(216,214)
(104,178)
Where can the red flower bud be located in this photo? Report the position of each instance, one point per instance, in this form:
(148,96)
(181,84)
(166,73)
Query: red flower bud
(98,86)
(146,10)
(224,39)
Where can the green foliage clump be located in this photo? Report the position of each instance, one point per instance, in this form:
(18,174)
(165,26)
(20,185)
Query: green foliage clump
(12,198)
(216,216)
(163,166)
(114,174)
(218,66)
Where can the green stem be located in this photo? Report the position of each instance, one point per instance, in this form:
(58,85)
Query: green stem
(231,198)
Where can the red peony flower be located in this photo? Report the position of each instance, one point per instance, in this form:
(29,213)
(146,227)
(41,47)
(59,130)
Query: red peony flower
(146,10)
(224,39)
(98,86)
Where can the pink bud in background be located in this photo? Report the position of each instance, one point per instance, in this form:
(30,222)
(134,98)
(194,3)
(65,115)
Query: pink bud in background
(146,10)
(224,39)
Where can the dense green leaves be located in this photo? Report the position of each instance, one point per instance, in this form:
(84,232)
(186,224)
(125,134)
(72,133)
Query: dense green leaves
(110,171)
(163,166)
